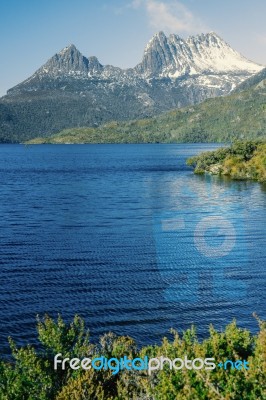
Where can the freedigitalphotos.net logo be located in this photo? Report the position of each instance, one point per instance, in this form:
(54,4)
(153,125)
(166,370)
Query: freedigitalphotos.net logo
(204,233)
(150,365)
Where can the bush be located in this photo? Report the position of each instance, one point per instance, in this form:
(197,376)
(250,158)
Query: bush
(30,374)
(243,160)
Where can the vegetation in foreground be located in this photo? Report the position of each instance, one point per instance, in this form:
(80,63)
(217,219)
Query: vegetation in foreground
(30,374)
(243,160)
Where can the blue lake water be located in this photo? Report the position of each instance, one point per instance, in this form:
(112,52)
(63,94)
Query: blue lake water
(127,237)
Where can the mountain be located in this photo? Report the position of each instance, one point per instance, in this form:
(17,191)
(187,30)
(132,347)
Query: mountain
(71,90)
(240,115)
(201,54)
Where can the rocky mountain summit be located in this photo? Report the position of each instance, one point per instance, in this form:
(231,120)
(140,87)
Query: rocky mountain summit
(164,57)
(201,54)
(73,90)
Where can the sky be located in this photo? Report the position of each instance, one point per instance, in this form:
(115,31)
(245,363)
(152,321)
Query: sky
(116,32)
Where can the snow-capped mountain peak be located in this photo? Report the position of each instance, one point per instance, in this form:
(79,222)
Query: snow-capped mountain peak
(173,56)
(73,90)
(69,61)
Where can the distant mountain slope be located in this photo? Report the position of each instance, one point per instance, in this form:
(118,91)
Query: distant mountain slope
(237,116)
(71,90)
(254,80)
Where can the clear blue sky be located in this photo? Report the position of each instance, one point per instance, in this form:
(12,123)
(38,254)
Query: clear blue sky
(31,31)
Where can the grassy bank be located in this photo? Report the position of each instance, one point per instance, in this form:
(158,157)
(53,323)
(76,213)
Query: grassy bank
(243,160)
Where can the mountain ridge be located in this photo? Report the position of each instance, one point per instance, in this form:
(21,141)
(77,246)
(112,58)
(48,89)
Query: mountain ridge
(238,116)
(169,57)
(196,52)
(72,90)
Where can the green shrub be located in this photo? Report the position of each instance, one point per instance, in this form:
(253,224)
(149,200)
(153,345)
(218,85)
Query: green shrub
(30,374)
(243,160)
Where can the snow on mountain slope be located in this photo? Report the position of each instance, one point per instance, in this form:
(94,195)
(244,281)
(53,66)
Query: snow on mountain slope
(73,90)
(173,56)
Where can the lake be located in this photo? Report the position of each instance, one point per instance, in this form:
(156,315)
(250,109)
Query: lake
(129,238)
